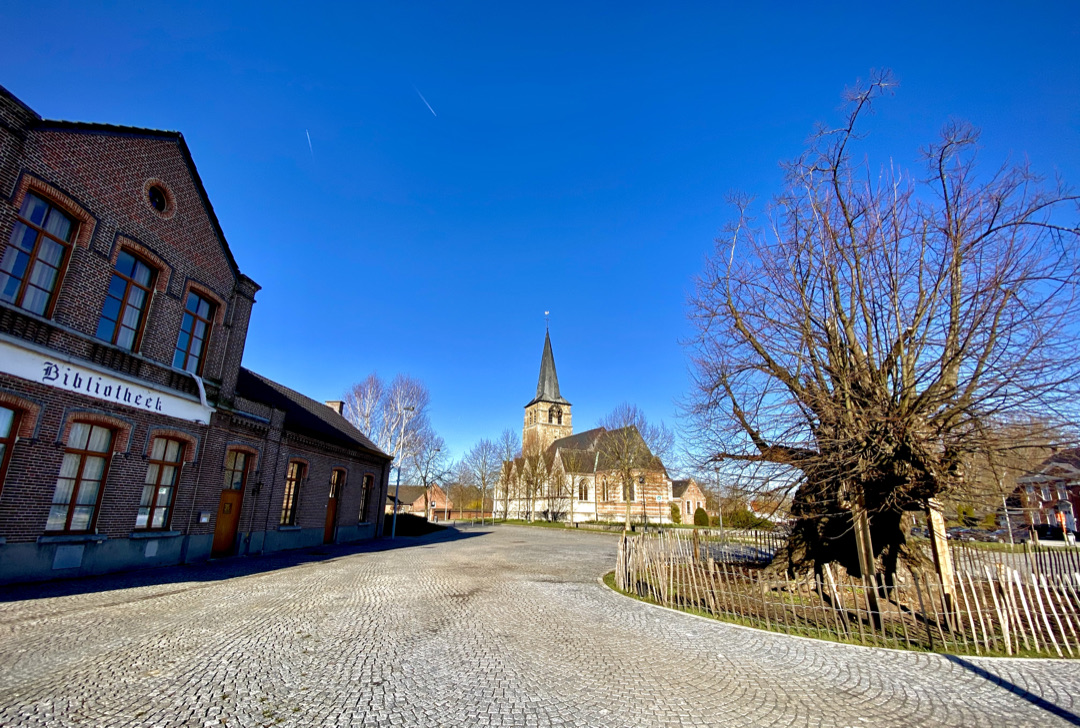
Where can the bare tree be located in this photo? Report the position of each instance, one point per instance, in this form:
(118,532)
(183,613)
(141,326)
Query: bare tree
(428,462)
(364,405)
(484,465)
(876,327)
(630,447)
(509,449)
(532,482)
(393,417)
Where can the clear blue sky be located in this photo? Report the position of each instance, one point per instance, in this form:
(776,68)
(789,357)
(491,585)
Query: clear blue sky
(577,160)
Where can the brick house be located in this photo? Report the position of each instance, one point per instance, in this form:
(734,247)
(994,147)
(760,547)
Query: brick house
(1051,495)
(688,496)
(430,502)
(561,476)
(130,434)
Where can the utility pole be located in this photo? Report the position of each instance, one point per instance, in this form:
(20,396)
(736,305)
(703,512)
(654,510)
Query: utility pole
(398,447)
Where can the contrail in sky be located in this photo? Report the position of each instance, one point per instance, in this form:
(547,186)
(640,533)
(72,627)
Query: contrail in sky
(425,102)
(309,144)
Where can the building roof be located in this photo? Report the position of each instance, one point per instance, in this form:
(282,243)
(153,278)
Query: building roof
(408,493)
(578,461)
(303,414)
(84,127)
(591,444)
(547,388)
(679,487)
(582,441)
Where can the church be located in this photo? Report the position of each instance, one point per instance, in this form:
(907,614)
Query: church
(560,476)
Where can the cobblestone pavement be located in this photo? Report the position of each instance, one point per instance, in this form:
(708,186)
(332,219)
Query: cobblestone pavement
(505,626)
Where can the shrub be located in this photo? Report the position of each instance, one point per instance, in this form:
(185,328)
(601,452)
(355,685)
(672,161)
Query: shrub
(676,514)
(745,518)
(701,518)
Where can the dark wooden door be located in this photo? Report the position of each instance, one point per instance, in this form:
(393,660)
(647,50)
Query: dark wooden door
(228,519)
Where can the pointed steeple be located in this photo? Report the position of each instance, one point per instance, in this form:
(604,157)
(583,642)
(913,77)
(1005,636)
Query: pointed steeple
(547,388)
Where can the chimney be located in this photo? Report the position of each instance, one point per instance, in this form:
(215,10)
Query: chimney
(337,405)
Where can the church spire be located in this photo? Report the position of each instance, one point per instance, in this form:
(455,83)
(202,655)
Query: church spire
(547,388)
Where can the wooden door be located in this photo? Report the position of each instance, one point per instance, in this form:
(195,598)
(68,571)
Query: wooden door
(336,479)
(232,498)
(228,519)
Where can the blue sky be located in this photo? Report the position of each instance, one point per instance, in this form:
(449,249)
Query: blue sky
(577,161)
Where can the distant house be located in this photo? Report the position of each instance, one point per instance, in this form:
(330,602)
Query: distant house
(415,499)
(1051,494)
(688,496)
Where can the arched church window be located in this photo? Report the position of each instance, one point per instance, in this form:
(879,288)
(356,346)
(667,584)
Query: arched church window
(555,415)
(583,490)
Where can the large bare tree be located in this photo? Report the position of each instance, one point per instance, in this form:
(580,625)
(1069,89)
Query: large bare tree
(874,327)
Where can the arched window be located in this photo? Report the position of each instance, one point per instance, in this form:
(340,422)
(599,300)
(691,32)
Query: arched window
(555,414)
(124,312)
(9,431)
(82,474)
(583,490)
(157,497)
(293,481)
(37,252)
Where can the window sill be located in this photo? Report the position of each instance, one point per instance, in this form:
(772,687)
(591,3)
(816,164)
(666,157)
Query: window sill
(73,538)
(288,528)
(153,534)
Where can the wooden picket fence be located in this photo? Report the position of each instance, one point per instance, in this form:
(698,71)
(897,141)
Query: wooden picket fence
(995,609)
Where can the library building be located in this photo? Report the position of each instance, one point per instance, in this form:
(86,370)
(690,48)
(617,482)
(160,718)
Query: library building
(130,434)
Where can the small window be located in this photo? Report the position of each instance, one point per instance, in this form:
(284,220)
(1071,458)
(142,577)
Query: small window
(236,470)
(34,260)
(583,490)
(158,199)
(293,480)
(124,312)
(194,332)
(9,428)
(160,484)
(337,482)
(82,475)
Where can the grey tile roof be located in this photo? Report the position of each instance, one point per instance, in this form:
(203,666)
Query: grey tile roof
(303,414)
(547,388)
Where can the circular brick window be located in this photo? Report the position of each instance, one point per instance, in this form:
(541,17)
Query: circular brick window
(158,200)
(159,197)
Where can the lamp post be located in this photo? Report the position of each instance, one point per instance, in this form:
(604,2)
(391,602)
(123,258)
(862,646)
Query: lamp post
(644,513)
(397,455)
(719,502)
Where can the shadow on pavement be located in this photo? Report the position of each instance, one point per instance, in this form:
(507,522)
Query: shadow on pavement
(222,569)
(1016,690)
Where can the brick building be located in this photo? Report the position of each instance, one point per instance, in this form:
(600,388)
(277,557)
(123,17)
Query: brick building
(687,496)
(430,502)
(1050,496)
(561,476)
(130,434)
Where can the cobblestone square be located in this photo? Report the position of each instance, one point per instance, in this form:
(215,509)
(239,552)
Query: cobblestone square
(503,626)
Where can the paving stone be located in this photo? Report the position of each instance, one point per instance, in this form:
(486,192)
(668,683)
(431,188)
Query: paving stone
(502,626)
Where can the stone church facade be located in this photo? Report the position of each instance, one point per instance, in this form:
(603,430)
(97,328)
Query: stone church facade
(560,476)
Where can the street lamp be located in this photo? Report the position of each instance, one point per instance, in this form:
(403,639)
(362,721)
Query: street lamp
(641,489)
(397,455)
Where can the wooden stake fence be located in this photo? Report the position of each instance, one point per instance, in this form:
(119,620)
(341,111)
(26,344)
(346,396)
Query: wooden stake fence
(1026,603)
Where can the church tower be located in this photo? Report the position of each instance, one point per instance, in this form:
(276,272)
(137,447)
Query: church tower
(547,416)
